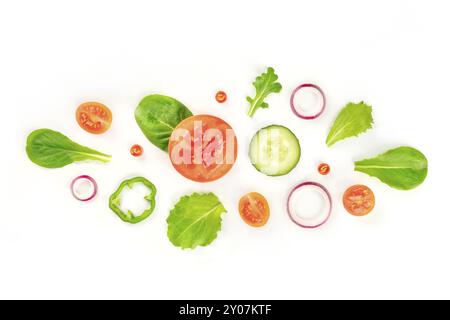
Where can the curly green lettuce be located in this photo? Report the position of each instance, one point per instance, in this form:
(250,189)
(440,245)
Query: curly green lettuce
(195,220)
(354,119)
(264,84)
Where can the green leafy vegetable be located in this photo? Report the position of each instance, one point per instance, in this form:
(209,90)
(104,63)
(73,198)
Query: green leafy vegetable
(354,119)
(402,168)
(129,216)
(51,149)
(195,220)
(157,116)
(264,84)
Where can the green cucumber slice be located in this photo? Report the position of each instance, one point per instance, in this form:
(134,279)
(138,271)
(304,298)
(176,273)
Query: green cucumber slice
(274,150)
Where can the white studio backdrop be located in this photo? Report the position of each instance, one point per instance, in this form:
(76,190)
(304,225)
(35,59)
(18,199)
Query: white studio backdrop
(55,55)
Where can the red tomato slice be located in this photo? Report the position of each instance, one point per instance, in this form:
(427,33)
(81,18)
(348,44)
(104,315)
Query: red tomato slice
(203,148)
(254,209)
(359,200)
(94,117)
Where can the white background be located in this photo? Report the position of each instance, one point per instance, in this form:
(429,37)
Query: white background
(57,54)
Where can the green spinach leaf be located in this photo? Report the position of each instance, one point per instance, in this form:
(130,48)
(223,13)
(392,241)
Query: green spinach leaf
(402,168)
(354,119)
(51,149)
(157,116)
(195,220)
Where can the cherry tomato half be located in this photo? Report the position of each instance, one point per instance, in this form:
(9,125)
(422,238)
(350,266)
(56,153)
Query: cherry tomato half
(203,148)
(94,117)
(359,200)
(136,150)
(324,169)
(221,97)
(254,209)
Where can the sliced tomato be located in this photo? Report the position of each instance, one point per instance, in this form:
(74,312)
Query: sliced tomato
(203,148)
(254,209)
(94,117)
(359,200)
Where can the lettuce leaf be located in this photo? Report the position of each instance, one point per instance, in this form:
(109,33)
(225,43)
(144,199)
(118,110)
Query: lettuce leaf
(402,168)
(354,119)
(264,84)
(195,220)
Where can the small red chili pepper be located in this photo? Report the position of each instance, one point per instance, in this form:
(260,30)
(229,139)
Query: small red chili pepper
(324,169)
(221,97)
(136,150)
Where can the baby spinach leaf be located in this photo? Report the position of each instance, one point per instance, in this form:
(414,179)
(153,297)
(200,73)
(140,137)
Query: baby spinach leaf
(402,168)
(195,220)
(51,149)
(354,119)
(264,84)
(157,116)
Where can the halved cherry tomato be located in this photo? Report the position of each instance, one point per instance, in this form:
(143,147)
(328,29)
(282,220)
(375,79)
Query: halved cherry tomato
(94,117)
(204,155)
(359,200)
(221,96)
(136,150)
(254,209)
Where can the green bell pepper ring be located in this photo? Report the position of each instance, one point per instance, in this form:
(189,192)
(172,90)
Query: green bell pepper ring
(129,216)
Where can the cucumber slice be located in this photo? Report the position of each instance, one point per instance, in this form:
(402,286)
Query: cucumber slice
(274,150)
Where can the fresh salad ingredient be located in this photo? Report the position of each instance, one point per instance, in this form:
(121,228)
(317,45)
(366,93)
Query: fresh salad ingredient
(324,169)
(264,84)
(359,200)
(309,205)
(157,116)
(254,209)
(354,119)
(51,149)
(402,168)
(274,150)
(203,148)
(84,188)
(304,110)
(136,150)
(94,117)
(129,216)
(221,97)
(195,220)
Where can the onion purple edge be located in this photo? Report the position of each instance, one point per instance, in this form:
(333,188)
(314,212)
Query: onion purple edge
(294,93)
(310,183)
(91,180)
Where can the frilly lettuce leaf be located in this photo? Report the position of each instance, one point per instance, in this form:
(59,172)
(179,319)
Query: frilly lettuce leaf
(264,84)
(354,119)
(195,220)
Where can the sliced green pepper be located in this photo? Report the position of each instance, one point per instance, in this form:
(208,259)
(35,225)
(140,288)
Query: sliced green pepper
(129,216)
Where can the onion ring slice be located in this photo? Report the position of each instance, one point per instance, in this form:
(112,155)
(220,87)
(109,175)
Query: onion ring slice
(301,115)
(324,205)
(86,192)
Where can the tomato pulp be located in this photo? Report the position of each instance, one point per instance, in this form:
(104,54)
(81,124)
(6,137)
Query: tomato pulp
(203,148)
(254,209)
(359,200)
(94,117)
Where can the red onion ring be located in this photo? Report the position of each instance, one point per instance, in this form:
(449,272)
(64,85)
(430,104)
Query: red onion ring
(292,216)
(93,183)
(294,93)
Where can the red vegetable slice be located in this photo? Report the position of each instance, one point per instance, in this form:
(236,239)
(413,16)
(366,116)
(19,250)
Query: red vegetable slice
(314,195)
(301,113)
(84,188)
